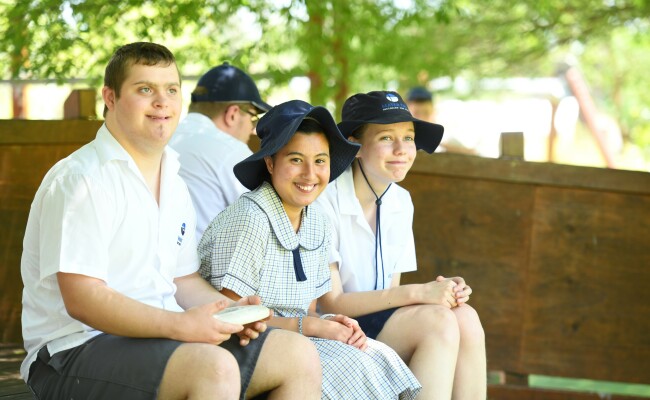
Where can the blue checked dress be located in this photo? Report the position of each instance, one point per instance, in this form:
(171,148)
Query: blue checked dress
(249,248)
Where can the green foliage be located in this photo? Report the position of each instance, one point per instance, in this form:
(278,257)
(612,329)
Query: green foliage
(617,70)
(345,46)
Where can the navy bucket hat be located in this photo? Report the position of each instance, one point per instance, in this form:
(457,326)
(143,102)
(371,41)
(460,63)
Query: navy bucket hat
(278,126)
(383,107)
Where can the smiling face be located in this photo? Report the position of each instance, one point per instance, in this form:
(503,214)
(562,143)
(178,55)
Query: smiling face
(387,152)
(145,114)
(300,171)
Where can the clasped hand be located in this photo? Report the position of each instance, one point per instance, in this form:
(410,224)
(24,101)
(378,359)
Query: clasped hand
(448,292)
(344,329)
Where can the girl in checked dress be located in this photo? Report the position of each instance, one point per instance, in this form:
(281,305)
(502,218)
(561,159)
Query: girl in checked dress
(273,244)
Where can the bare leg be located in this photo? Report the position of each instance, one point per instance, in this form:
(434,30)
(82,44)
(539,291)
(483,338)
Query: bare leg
(471,369)
(200,371)
(288,366)
(427,338)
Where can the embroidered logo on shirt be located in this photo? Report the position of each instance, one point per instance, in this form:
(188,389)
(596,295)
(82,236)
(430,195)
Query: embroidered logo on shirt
(179,240)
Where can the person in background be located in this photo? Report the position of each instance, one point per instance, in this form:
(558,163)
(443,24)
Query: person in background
(421,104)
(271,242)
(113,306)
(430,325)
(213,137)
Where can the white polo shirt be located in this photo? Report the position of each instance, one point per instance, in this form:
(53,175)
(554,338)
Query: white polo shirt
(353,242)
(94,215)
(207,157)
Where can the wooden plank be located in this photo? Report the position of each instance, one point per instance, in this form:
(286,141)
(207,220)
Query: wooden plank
(11,385)
(512,145)
(16,131)
(479,230)
(80,104)
(587,314)
(23,168)
(536,173)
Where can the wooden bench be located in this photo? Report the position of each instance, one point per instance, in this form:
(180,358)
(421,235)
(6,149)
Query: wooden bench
(557,255)
(11,385)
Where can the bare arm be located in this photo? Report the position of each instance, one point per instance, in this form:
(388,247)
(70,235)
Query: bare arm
(193,291)
(92,302)
(355,304)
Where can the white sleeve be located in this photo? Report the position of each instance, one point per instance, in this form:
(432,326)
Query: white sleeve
(76,228)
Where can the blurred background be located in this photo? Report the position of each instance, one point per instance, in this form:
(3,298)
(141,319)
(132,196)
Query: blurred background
(569,74)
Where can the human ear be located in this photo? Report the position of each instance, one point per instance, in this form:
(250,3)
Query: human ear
(230,115)
(269,164)
(109,97)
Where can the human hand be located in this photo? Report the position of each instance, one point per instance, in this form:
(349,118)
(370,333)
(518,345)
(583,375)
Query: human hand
(358,338)
(251,331)
(461,290)
(199,325)
(439,292)
(328,329)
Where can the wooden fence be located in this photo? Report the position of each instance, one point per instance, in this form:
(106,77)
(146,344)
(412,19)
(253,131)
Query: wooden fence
(558,256)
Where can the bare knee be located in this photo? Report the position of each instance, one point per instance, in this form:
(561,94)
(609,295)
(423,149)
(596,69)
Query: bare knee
(440,322)
(196,369)
(304,357)
(469,323)
(288,366)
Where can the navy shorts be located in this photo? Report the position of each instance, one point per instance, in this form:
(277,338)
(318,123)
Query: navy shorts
(115,367)
(372,324)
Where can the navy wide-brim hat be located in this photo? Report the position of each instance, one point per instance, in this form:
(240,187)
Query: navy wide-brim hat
(383,107)
(278,126)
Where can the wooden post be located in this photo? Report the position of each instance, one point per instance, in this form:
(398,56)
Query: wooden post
(18,98)
(80,104)
(552,135)
(512,145)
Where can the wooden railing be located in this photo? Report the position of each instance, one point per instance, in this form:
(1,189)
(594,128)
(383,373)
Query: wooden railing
(558,256)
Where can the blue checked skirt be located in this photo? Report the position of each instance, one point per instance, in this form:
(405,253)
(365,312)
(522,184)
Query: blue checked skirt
(376,373)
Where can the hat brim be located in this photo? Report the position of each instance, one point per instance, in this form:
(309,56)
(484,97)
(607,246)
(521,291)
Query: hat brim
(261,106)
(252,171)
(427,135)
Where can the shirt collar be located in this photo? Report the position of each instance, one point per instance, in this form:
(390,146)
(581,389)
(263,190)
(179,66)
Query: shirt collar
(109,149)
(347,198)
(311,234)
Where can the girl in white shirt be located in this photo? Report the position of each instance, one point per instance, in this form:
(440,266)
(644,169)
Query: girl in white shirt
(429,325)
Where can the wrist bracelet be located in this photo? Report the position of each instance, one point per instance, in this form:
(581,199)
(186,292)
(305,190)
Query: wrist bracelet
(300,324)
(327,316)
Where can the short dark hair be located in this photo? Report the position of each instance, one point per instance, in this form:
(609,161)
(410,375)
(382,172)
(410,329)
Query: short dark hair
(138,53)
(310,125)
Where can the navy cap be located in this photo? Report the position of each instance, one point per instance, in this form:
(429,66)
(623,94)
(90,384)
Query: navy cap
(419,93)
(382,107)
(227,83)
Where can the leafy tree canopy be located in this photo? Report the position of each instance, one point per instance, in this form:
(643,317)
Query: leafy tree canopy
(346,46)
